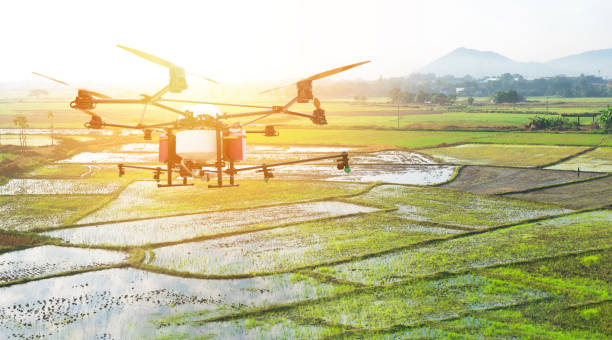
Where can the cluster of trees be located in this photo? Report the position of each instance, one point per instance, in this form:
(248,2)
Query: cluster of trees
(509,96)
(404,97)
(552,122)
(562,86)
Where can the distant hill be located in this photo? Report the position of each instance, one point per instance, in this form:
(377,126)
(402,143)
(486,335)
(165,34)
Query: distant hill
(464,61)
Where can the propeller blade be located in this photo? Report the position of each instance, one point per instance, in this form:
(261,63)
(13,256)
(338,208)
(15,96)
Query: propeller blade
(202,77)
(276,88)
(320,75)
(94,93)
(148,56)
(334,71)
(212,103)
(53,79)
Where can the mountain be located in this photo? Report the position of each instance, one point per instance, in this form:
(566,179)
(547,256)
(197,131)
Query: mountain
(591,62)
(464,61)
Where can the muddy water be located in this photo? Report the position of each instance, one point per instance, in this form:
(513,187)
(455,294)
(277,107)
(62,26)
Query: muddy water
(46,260)
(168,229)
(124,303)
(55,187)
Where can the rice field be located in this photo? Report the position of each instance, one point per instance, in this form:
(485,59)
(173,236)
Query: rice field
(496,180)
(172,229)
(143,199)
(47,260)
(378,253)
(588,230)
(503,154)
(119,303)
(595,193)
(31,212)
(296,246)
(455,208)
(599,160)
(55,187)
(381,308)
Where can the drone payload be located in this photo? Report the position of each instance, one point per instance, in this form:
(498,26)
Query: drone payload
(202,143)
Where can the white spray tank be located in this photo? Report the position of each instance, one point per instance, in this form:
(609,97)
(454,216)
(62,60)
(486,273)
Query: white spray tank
(197,145)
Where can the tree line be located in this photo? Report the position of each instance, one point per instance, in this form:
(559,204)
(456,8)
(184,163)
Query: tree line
(561,86)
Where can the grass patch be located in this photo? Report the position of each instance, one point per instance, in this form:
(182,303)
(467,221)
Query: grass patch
(503,155)
(555,236)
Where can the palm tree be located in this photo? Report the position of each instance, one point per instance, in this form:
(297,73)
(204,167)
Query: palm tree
(22,123)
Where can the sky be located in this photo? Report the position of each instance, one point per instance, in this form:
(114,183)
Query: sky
(250,41)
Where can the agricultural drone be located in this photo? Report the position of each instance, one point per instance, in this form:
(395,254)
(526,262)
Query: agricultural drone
(199,145)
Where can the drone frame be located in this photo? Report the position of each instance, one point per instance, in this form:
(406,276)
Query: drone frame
(87,100)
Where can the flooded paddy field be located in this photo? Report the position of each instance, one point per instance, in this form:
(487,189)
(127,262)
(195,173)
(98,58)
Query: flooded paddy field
(46,260)
(503,154)
(55,187)
(595,193)
(455,208)
(295,246)
(599,160)
(378,308)
(170,229)
(120,303)
(494,180)
(427,262)
(29,212)
(364,173)
(548,319)
(588,230)
(143,199)
(111,157)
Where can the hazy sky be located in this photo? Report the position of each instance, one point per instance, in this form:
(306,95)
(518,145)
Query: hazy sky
(236,41)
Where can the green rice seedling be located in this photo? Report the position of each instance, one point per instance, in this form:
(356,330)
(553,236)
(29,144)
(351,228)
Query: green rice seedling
(556,236)
(144,199)
(412,303)
(296,246)
(455,208)
(582,277)
(502,154)
(176,228)
(599,160)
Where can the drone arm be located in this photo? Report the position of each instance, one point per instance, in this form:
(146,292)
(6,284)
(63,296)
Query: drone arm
(338,156)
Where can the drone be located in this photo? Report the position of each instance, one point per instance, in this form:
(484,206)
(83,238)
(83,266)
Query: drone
(198,144)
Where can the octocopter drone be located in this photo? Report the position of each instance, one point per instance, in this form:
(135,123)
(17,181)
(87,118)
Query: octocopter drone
(198,145)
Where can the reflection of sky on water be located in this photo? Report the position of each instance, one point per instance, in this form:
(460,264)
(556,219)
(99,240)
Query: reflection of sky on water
(176,228)
(45,260)
(389,173)
(123,303)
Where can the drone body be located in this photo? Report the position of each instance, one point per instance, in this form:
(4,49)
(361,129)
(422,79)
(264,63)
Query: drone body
(202,143)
